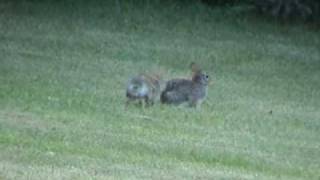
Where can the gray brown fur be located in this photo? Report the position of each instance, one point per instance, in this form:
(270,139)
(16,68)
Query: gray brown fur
(143,88)
(194,91)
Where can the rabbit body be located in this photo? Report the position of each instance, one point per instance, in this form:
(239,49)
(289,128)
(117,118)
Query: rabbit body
(143,88)
(192,91)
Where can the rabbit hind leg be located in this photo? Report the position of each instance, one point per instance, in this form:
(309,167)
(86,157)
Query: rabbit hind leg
(148,101)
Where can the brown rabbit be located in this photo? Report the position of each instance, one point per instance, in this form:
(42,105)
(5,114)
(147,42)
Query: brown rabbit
(194,91)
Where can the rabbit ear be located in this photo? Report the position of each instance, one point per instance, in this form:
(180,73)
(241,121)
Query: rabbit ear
(194,67)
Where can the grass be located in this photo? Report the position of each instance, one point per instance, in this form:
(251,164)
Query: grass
(63,71)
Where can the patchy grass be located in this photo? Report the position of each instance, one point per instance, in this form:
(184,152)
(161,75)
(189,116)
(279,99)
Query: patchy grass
(63,70)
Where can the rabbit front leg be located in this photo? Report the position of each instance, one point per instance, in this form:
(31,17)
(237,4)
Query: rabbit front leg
(193,102)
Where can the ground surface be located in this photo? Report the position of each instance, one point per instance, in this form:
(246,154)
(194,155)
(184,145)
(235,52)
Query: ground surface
(64,67)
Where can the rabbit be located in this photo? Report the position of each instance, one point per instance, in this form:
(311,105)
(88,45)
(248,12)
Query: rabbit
(194,91)
(143,87)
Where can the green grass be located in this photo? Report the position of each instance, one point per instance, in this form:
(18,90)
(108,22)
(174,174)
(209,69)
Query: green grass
(63,71)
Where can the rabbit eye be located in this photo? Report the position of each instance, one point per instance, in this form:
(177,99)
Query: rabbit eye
(207,76)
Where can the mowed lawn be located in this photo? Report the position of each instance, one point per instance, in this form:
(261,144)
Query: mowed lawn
(64,68)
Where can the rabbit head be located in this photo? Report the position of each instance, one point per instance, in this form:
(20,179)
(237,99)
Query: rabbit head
(198,76)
